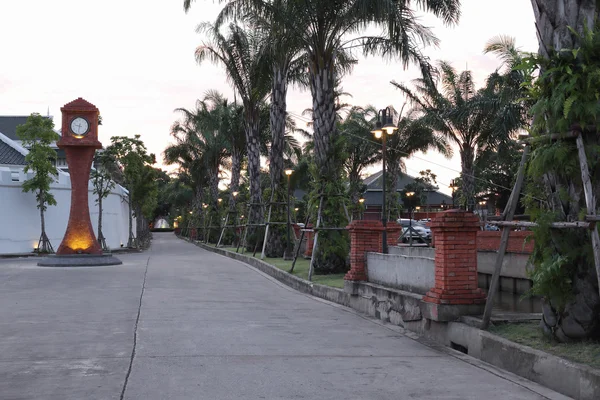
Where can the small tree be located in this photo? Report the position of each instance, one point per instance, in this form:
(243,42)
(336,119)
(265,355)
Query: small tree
(133,162)
(37,134)
(103,185)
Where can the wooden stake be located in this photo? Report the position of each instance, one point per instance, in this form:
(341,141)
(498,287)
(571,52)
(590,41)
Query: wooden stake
(315,242)
(264,246)
(509,212)
(590,202)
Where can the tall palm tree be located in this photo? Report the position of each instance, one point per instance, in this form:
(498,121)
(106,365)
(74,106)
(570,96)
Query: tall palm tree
(359,148)
(241,54)
(227,119)
(580,317)
(450,106)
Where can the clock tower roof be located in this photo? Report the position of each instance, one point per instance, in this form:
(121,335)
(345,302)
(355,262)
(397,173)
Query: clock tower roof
(79,104)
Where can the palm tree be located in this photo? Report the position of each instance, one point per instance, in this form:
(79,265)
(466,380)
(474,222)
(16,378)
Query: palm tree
(359,148)
(455,112)
(411,137)
(579,318)
(241,54)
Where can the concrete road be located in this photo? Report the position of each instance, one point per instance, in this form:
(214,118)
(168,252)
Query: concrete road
(178,322)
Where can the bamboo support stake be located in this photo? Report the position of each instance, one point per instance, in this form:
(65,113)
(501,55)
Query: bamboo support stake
(590,202)
(509,212)
(264,246)
(297,252)
(315,241)
(526,224)
(223,230)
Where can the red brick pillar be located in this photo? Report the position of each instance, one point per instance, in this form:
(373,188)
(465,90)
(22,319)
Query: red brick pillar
(394,230)
(309,242)
(455,233)
(365,236)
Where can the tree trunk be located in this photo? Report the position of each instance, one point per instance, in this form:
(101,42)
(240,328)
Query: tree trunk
(236,168)
(580,318)
(322,85)
(275,244)
(131,242)
(214,186)
(467,158)
(44,245)
(255,214)
(333,247)
(100,234)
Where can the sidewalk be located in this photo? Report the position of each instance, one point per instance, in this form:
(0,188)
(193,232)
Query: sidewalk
(208,327)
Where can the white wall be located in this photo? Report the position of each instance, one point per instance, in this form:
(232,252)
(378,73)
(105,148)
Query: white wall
(412,273)
(20,218)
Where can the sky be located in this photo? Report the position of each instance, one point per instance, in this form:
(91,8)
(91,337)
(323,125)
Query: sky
(134,59)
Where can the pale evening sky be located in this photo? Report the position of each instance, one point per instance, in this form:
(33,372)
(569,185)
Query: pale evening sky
(135,61)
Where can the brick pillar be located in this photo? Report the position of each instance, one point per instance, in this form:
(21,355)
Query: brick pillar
(455,233)
(365,236)
(394,230)
(309,242)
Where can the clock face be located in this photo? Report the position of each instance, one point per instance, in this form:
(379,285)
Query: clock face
(80,127)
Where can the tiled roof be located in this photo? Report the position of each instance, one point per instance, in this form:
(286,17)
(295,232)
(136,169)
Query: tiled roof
(10,156)
(8,125)
(374,185)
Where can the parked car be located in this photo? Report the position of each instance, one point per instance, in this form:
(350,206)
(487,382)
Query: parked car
(420,232)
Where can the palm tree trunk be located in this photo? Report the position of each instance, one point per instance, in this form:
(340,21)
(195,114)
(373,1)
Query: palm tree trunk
(580,318)
(332,250)
(467,160)
(214,186)
(236,168)
(277,119)
(255,214)
(276,246)
(322,84)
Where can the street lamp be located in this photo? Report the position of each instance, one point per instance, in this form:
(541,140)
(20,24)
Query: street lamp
(382,131)
(288,252)
(453,187)
(410,195)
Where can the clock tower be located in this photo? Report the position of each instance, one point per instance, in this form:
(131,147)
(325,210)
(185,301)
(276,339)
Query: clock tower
(79,139)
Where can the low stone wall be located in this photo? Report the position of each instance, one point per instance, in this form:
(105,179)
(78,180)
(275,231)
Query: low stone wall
(412,273)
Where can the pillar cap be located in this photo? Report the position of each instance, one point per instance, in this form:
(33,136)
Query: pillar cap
(455,220)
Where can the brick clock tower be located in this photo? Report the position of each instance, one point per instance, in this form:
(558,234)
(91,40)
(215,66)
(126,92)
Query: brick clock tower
(79,139)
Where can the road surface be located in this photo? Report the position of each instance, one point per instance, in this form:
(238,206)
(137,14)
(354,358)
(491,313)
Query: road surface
(179,322)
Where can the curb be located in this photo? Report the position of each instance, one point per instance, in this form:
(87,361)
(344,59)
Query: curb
(555,373)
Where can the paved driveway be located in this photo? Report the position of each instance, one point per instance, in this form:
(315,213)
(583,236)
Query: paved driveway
(178,322)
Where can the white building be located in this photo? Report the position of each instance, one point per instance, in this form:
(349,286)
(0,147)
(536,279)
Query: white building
(19,216)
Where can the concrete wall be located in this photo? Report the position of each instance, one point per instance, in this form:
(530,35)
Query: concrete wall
(513,279)
(20,218)
(413,273)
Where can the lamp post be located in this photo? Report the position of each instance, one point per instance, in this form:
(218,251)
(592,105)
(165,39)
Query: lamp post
(483,215)
(453,187)
(381,131)
(361,211)
(410,195)
(288,252)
